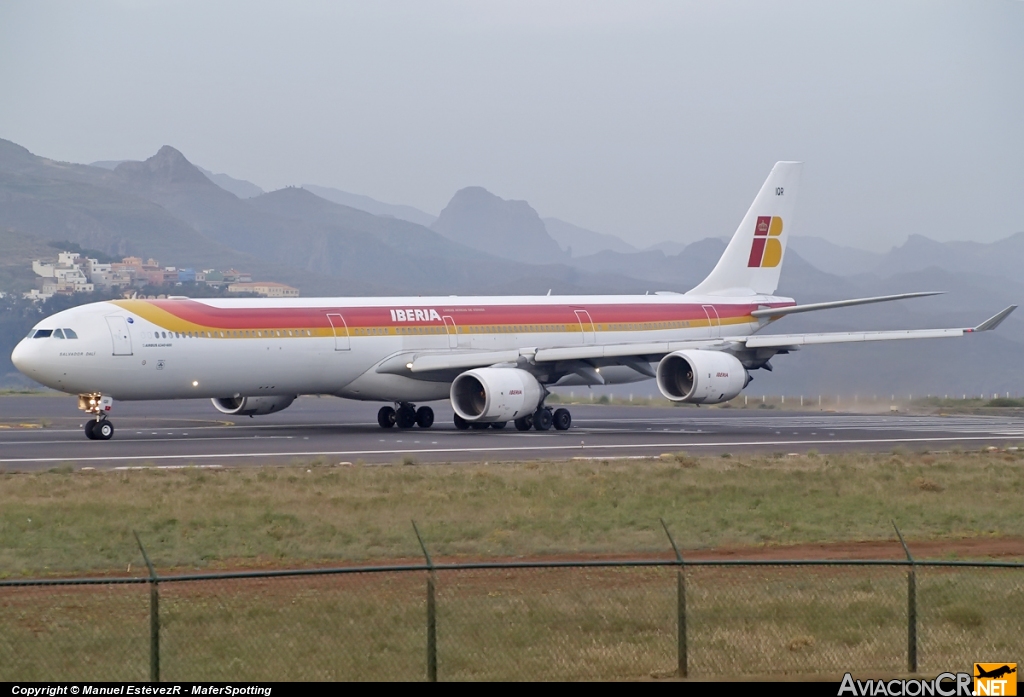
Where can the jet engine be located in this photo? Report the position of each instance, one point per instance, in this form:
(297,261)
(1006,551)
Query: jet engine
(252,406)
(486,395)
(701,377)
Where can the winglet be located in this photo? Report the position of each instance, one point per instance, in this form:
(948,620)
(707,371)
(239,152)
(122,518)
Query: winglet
(994,321)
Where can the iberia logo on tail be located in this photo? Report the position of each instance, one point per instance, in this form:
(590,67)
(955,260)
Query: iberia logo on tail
(766,250)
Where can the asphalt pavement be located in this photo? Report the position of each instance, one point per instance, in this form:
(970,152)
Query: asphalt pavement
(42,432)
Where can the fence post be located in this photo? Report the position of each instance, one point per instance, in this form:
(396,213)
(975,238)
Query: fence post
(431,613)
(911,606)
(154,615)
(680,605)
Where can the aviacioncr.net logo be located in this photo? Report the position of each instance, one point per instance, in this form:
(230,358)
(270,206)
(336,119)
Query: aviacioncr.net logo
(766,249)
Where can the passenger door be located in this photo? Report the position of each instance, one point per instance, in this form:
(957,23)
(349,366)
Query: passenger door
(341,337)
(120,336)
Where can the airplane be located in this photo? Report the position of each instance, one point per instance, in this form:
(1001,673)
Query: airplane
(494,358)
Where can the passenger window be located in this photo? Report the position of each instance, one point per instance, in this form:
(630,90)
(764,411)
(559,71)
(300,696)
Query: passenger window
(58,334)
(70,334)
(42,333)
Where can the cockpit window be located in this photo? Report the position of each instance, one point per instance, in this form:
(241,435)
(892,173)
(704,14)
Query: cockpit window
(58,333)
(70,333)
(42,333)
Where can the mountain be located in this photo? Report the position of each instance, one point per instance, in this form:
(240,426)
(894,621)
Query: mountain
(670,248)
(582,242)
(478,219)
(369,254)
(365,203)
(239,187)
(833,258)
(45,200)
(917,253)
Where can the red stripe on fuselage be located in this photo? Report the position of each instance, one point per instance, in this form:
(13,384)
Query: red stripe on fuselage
(463,315)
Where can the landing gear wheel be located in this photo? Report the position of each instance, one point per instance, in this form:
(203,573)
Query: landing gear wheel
(477,426)
(542,419)
(499,424)
(461,423)
(386,417)
(524,424)
(89,433)
(405,417)
(424,417)
(103,430)
(561,419)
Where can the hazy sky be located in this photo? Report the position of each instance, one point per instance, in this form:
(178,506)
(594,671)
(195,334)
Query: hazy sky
(649,120)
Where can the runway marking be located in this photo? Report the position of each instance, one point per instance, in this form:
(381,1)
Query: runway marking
(526,448)
(146,440)
(164,467)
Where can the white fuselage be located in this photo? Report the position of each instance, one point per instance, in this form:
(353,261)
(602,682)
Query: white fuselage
(179,348)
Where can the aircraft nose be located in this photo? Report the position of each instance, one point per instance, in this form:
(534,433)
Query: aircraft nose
(21,357)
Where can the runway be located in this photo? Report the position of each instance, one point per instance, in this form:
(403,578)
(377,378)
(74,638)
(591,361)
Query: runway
(43,432)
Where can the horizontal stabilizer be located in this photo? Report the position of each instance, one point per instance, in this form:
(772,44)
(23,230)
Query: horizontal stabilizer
(793,309)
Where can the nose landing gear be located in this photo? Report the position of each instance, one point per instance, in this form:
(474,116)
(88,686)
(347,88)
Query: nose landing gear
(97,406)
(99,429)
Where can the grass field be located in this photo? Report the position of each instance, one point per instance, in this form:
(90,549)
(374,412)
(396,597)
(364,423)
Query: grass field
(67,521)
(505,624)
(564,624)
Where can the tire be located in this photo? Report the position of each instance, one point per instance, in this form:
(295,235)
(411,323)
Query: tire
(477,426)
(461,423)
(386,417)
(524,424)
(89,433)
(542,419)
(424,417)
(103,430)
(499,425)
(405,417)
(561,419)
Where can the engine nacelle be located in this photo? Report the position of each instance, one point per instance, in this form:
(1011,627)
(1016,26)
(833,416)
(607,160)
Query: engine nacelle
(701,377)
(252,406)
(495,394)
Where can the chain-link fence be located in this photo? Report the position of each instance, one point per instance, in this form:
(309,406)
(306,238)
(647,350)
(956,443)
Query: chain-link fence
(517,621)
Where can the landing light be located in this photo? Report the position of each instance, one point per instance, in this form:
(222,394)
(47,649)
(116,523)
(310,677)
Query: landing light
(195,383)
(409,366)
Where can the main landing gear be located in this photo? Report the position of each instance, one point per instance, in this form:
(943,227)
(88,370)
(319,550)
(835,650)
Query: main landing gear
(405,416)
(98,427)
(543,419)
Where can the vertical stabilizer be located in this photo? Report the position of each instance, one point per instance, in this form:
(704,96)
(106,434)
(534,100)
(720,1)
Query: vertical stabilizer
(752,262)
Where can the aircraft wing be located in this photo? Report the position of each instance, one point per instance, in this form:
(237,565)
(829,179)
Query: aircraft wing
(427,362)
(782,341)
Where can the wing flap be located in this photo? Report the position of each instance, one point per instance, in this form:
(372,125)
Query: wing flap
(793,340)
